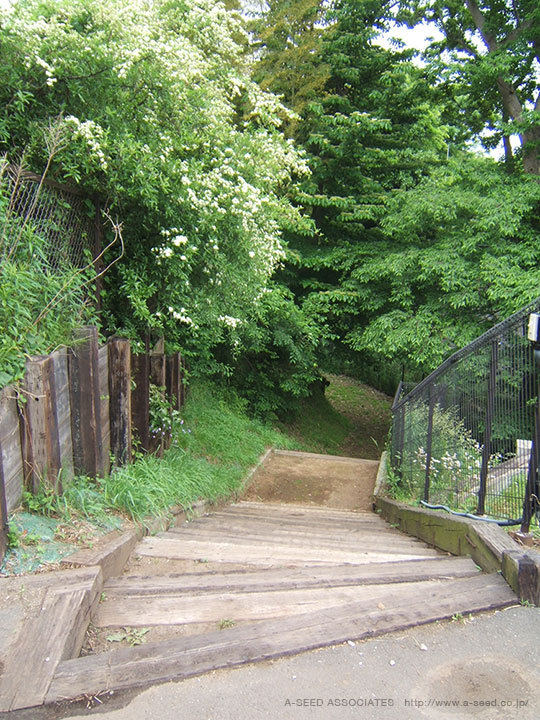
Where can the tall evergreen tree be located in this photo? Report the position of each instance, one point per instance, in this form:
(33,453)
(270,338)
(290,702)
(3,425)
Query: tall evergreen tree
(416,252)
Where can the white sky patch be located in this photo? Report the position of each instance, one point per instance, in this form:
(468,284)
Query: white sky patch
(417,37)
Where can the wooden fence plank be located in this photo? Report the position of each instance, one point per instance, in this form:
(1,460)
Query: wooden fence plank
(183,386)
(11,460)
(29,480)
(158,377)
(3,521)
(62,406)
(157,369)
(120,399)
(3,505)
(104,403)
(140,397)
(85,408)
(40,392)
(173,383)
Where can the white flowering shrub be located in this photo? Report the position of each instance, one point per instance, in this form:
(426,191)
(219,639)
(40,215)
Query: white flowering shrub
(456,458)
(162,121)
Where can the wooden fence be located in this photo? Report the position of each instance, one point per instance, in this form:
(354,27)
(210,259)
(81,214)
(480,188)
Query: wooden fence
(76,411)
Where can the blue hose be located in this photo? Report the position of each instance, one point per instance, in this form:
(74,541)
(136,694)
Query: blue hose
(501,523)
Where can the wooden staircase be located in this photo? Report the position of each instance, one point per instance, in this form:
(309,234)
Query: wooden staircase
(255,581)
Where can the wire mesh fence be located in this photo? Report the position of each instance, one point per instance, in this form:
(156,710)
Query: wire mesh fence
(60,215)
(463,437)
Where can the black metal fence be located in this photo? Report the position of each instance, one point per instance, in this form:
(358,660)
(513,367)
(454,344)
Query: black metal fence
(465,436)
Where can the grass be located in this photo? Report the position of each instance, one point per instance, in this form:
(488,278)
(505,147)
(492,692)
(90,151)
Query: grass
(318,426)
(351,419)
(214,445)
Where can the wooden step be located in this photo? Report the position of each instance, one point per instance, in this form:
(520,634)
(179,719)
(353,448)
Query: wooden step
(237,607)
(175,547)
(295,508)
(268,529)
(267,580)
(187,656)
(318,522)
(299,454)
(398,544)
(181,609)
(57,608)
(274,526)
(281,510)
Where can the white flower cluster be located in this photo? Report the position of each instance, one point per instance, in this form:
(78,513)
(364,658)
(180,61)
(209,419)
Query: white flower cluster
(230,321)
(49,70)
(181,316)
(168,77)
(92,134)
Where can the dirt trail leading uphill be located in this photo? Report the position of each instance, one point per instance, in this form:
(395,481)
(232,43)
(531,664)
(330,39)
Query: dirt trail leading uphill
(367,409)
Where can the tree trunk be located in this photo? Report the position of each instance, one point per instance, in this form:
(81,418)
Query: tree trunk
(531,148)
(530,138)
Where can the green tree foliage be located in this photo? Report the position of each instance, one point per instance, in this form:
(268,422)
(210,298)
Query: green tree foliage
(288,37)
(377,130)
(416,251)
(459,252)
(488,60)
(161,120)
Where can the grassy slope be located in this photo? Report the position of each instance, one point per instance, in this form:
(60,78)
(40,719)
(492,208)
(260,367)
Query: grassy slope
(349,419)
(215,446)
(217,443)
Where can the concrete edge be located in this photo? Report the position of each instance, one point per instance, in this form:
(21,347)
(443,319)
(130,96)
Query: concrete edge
(264,457)
(487,544)
(381,475)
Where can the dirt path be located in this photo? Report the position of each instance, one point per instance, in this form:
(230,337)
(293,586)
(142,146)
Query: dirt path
(369,412)
(334,481)
(306,478)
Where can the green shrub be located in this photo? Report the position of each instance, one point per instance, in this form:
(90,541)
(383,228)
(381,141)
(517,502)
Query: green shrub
(456,458)
(40,303)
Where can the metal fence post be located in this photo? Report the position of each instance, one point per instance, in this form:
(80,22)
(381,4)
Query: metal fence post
(429,443)
(532,487)
(397,440)
(398,430)
(486,450)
